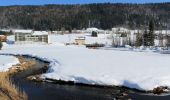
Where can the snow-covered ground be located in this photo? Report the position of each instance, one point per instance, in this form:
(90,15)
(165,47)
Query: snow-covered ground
(6,62)
(70,38)
(140,70)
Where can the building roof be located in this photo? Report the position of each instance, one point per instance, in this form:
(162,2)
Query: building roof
(40,33)
(22,31)
(94,29)
(31,31)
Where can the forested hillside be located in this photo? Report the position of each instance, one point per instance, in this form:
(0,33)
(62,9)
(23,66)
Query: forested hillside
(104,16)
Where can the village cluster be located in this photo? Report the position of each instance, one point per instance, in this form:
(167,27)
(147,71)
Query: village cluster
(117,37)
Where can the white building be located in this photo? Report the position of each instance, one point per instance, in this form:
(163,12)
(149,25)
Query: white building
(29,36)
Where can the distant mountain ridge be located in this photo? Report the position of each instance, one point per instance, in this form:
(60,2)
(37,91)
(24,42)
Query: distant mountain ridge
(103,16)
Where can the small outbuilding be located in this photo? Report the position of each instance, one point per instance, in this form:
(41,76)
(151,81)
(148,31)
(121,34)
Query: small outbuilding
(80,40)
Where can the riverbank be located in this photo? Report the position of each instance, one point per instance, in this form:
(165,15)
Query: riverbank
(39,77)
(41,90)
(99,67)
(61,90)
(8,91)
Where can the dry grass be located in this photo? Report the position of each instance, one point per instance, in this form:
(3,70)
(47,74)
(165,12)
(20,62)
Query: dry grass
(8,91)
(24,65)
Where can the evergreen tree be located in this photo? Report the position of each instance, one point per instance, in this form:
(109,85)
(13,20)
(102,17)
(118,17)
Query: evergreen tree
(138,41)
(151,34)
(94,34)
(145,36)
(102,16)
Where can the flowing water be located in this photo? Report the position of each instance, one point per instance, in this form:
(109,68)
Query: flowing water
(50,91)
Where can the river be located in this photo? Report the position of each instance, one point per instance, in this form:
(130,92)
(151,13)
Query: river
(51,91)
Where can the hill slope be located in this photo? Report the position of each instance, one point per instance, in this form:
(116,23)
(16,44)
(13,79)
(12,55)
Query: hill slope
(105,16)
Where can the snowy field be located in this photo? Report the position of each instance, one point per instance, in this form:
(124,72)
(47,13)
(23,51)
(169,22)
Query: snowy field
(102,38)
(70,38)
(6,62)
(140,70)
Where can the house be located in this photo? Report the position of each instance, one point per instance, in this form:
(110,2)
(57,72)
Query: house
(161,40)
(29,36)
(121,37)
(120,41)
(3,38)
(80,40)
(120,30)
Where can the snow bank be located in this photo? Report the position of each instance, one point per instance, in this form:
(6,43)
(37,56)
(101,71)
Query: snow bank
(135,68)
(140,70)
(6,62)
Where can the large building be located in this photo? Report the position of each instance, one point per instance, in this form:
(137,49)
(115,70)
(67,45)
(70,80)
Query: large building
(30,36)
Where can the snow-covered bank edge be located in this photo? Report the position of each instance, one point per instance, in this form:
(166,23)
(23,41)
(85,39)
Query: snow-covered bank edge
(55,63)
(138,49)
(8,63)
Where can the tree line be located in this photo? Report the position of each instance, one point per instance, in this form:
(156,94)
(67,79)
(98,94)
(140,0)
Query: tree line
(103,16)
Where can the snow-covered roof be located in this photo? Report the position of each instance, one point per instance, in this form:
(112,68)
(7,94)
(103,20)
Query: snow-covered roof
(40,33)
(94,29)
(22,31)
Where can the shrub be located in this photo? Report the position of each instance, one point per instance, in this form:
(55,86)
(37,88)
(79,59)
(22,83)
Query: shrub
(94,34)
